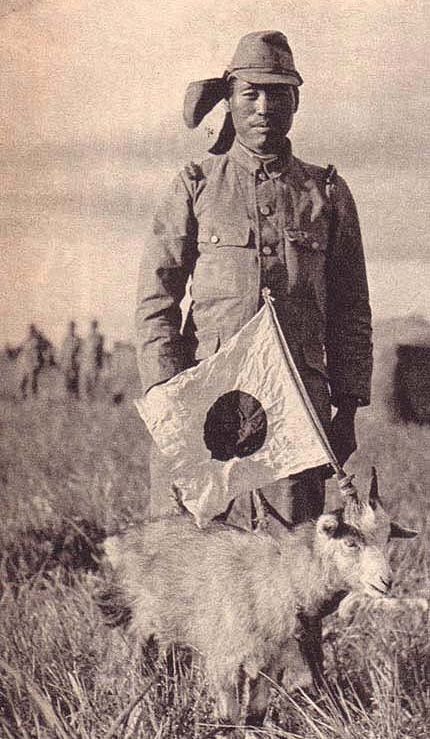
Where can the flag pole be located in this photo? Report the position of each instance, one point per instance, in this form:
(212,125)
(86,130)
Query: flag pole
(343,479)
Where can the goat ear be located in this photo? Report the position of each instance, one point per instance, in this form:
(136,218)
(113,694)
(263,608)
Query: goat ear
(398,532)
(327,524)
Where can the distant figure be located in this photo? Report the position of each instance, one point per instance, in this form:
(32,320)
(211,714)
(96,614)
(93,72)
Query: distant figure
(31,362)
(91,360)
(70,359)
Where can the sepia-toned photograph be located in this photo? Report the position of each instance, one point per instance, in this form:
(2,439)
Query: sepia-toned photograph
(215,369)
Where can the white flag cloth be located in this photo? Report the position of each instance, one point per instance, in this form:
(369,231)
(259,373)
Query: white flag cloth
(233,423)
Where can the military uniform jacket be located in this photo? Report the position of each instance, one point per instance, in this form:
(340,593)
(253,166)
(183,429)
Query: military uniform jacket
(233,225)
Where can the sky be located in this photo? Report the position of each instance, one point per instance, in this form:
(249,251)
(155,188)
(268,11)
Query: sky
(91,132)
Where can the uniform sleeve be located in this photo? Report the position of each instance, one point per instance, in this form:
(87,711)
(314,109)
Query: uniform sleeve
(349,332)
(168,258)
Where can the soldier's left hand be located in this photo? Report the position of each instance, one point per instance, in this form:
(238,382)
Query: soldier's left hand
(342,434)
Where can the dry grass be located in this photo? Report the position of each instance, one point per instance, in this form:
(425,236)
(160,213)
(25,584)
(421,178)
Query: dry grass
(63,673)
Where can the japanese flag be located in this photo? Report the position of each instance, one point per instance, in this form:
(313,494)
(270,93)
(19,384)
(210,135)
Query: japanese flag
(235,422)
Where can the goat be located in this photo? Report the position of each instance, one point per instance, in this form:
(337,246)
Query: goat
(236,597)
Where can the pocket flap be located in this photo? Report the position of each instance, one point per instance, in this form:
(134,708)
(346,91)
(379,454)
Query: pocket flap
(224,234)
(315,242)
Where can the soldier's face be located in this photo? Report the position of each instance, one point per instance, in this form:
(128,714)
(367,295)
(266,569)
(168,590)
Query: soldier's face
(262,115)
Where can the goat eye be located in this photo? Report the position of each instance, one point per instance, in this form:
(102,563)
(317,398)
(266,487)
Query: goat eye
(350,543)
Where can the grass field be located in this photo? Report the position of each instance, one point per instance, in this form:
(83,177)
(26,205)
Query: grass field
(64,673)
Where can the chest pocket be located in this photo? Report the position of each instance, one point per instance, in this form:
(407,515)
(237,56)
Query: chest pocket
(305,256)
(227,266)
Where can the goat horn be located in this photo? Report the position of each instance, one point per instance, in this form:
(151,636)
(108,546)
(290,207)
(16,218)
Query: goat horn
(260,510)
(373,494)
(352,503)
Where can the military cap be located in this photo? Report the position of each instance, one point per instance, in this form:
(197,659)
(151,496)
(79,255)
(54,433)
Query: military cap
(264,57)
(261,57)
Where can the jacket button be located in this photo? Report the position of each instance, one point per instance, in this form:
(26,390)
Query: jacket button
(315,245)
(214,239)
(267,251)
(264,210)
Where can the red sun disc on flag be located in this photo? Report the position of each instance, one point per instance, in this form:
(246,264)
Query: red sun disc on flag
(235,426)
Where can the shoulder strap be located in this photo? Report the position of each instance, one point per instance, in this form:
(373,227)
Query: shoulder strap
(193,176)
(330,180)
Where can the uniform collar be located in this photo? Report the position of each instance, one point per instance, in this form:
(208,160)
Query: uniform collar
(273,167)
